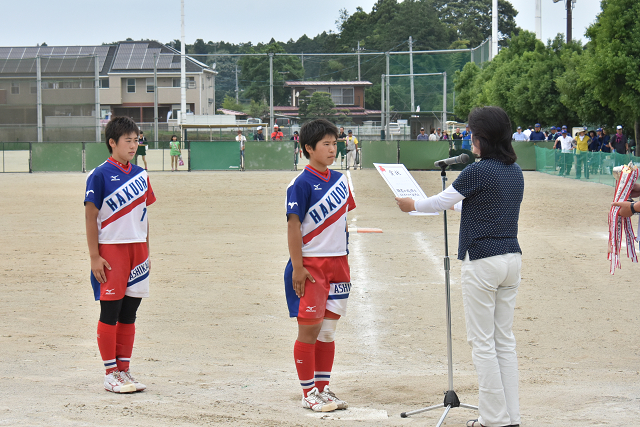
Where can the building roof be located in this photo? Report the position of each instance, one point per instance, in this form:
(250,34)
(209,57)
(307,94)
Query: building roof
(288,110)
(128,56)
(293,83)
(232,112)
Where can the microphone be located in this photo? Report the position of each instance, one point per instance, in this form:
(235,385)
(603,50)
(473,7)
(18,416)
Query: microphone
(462,158)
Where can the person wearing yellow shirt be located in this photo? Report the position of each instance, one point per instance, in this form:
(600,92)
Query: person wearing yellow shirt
(352,145)
(582,153)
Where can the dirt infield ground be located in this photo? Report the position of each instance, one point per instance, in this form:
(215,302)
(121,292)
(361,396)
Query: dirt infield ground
(214,343)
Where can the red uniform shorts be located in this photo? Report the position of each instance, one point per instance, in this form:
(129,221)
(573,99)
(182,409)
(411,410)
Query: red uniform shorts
(129,274)
(330,292)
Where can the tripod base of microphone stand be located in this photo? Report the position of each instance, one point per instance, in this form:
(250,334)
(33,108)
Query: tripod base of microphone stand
(450,401)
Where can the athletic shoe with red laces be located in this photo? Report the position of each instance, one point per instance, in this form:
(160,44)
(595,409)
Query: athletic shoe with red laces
(116,383)
(127,374)
(330,396)
(317,403)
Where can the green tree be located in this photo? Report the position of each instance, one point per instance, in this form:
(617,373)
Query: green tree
(318,106)
(230,104)
(255,74)
(612,72)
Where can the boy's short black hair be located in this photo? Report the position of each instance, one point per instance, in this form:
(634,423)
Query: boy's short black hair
(313,131)
(117,127)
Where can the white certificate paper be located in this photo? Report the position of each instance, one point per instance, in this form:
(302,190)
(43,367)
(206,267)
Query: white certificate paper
(401,183)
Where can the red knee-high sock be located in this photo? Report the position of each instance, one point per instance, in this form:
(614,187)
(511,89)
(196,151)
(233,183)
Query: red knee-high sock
(125,334)
(325,352)
(304,355)
(107,345)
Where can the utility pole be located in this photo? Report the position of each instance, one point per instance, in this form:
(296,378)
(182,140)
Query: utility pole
(236,83)
(494,30)
(387,96)
(413,101)
(539,19)
(271,120)
(183,78)
(358,61)
(569,4)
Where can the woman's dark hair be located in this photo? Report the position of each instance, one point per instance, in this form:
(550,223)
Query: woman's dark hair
(117,127)
(491,128)
(312,132)
(174,136)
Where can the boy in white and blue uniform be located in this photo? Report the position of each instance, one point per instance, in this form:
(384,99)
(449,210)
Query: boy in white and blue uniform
(116,199)
(317,278)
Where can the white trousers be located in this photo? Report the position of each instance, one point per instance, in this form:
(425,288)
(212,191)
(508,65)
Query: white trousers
(351,159)
(489,289)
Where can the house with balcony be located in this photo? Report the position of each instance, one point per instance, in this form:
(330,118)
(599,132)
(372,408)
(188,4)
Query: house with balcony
(55,86)
(348,97)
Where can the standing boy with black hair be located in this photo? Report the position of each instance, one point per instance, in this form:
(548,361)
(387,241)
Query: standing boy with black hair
(317,278)
(116,199)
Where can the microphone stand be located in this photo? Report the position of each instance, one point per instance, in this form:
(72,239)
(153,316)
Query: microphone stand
(450,397)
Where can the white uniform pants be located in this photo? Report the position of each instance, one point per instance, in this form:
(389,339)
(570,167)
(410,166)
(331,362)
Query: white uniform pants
(351,158)
(489,289)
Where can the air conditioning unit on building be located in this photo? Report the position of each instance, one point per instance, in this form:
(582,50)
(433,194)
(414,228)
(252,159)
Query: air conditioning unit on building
(210,101)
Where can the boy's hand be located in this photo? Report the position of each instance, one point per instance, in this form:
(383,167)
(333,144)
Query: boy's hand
(406,204)
(625,208)
(97,268)
(299,279)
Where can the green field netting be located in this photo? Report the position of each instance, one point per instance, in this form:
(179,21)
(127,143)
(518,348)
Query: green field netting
(599,165)
(56,157)
(268,155)
(378,152)
(215,155)
(422,154)
(95,154)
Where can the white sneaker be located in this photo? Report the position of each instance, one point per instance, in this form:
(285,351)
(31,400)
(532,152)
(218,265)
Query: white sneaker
(116,383)
(127,374)
(330,396)
(317,403)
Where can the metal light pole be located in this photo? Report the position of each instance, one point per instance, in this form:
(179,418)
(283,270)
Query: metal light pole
(271,120)
(494,29)
(413,101)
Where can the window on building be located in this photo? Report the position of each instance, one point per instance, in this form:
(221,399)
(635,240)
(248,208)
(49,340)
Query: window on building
(176,82)
(33,88)
(15,88)
(191,82)
(49,85)
(149,84)
(342,95)
(131,85)
(104,83)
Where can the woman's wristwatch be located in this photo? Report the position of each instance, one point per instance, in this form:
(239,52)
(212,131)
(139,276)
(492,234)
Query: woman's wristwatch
(633,211)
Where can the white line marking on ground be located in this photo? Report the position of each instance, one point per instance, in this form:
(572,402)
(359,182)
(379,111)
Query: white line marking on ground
(422,242)
(352,414)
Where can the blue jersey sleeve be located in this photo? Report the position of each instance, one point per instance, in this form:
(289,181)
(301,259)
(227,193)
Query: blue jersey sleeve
(469,181)
(298,195)
(94,191)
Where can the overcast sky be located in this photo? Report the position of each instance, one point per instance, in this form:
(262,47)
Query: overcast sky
(89,22)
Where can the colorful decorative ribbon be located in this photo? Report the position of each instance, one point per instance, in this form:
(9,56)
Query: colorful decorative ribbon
(628,177)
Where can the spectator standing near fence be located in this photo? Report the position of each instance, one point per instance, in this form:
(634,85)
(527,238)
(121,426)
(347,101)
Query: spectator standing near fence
(439,134)
(466,138)
(527,132)
(433,136)
(174,152)
(352,147)
(553,135)
(582,153)
(619,142)
(258,136)
(537,134)
(341,153)
(567,143)
(241,139)
(422,136)
(519,135)
(142,148)
(276,135)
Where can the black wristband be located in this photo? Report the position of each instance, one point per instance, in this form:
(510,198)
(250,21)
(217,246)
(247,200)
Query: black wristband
(633,211)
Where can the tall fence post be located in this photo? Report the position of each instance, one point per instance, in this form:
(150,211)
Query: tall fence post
(39,96)
(97,100)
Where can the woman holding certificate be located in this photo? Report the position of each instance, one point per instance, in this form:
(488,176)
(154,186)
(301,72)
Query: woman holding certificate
(489,194)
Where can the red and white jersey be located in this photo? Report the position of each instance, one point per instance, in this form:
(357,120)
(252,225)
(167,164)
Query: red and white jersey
(321,202)
(121,195)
